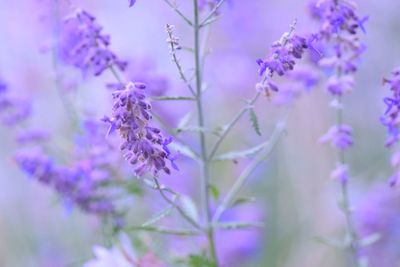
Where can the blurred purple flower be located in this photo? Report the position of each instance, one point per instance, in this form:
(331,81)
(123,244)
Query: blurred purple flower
(339,25)
(340,136)
(391,118)
(13,110)
(83,182)
(83,45)
(379,215)
(131,2)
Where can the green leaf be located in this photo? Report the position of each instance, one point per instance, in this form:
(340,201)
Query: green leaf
(184,150)
(238,225)
(162,230)
(254,121)
(243,200)
(330,242)
(233,155)
(200,261)
(183,122)
(189,207)
(214,191)
(159,216)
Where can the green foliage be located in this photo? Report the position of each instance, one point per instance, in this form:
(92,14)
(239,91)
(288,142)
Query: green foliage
(254,121)
(214,191)
(200,261)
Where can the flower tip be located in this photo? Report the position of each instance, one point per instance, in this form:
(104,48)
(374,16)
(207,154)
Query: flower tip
(131,2)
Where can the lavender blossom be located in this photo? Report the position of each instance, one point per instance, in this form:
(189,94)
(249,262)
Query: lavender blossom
(13,110)
(378,219)
(391,118)
(82,182)
(338,36)
(132,2)
(340,136)
(281,59)
(84,46)
(144,146)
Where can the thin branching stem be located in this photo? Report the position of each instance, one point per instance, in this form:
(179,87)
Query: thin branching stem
(261,156)
(230,126)
(177,207)
(68,106)
(175,8)
(212,13)
(163,230)
(178,65)
(205,176)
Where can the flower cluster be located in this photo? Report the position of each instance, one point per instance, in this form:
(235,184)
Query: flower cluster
(132,2)
(13,110)
(83,45)
(340,25)
(340,136)
(144,146)
(281,60)
(391,118)
(378,221)
(283,55)
(341,46)
(83,182)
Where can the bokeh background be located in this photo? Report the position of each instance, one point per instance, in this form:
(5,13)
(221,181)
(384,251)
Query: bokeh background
(293,192)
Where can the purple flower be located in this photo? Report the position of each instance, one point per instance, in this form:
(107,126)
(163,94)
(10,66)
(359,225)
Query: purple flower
(84,181)
(391,118)
(281,60)
(144,146)
(84,46)
(32,136)
(340,136)
(339,25)
(13,110)
(379,215)
(340,173)
(283,55)
(131,2)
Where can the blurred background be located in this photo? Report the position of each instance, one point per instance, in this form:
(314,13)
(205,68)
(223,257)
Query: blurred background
(293,192)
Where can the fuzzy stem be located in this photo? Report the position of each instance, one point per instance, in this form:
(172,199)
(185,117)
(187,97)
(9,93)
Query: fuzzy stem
(230,126)
(346,206)
(204,181)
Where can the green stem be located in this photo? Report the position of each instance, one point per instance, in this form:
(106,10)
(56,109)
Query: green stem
(346,207)
(204,181)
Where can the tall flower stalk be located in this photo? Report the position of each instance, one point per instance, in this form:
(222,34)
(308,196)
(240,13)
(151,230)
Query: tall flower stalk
(205,176)
(338,33)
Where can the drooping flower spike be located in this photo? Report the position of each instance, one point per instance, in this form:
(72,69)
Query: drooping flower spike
(143,145)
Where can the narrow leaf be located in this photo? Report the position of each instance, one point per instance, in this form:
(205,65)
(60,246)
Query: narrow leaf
(214,191)
(242,153)
(189,207)
(330,242)
(254,121)
(159,216)
(243,200)
(184,150)
(237,225)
